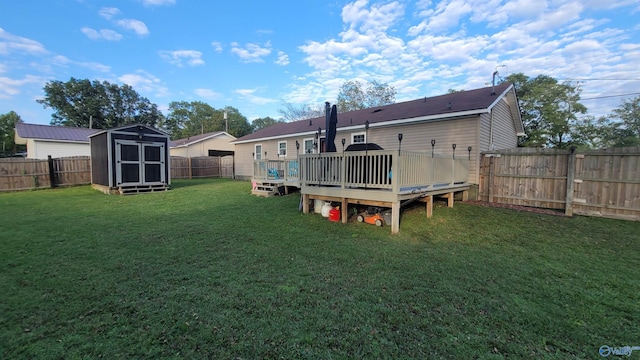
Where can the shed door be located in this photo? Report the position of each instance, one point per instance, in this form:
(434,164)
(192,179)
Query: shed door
(139,163)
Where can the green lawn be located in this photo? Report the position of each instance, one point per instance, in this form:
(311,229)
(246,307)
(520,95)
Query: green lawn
(208,271)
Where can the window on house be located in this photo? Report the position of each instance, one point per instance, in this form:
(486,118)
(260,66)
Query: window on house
(308,146)
(282,148)
(358,138)
(258,152)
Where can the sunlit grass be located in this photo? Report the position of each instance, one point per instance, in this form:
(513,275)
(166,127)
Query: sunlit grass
(208,271)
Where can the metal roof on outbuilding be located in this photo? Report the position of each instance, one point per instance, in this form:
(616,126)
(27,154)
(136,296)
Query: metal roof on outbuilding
(57,133)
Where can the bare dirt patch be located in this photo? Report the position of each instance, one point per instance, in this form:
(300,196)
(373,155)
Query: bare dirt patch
(520,208)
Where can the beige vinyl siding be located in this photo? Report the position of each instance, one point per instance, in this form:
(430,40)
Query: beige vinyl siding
(202,148)
(416,137)
(38,149)
(504,131)
(244,160)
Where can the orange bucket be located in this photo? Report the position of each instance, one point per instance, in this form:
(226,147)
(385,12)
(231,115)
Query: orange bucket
(334,215)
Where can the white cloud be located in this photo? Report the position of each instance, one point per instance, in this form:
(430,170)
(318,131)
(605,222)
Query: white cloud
(61,60)
(181,57)
(109,12)
(158,2)
(208,94)
(144,82)
(10,87)
(249,95)
(283,58)
(10,43)
(217,46)
(136,26)
(103,34)
(446,15)
(251,53)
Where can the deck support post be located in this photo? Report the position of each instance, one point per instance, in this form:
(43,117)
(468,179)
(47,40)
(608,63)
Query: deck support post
(395,217)
(429,202)
(305,203)
(344,208)
(465,195)
(450,200)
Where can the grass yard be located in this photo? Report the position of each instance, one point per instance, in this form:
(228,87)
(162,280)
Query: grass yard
(208,271)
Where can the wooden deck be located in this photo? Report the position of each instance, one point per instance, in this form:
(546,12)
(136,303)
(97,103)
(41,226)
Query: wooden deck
(378,178)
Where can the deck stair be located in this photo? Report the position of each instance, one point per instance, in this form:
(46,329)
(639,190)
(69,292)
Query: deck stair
(137,189)
(268,189)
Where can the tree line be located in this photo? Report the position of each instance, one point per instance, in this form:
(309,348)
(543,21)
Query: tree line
(552,112)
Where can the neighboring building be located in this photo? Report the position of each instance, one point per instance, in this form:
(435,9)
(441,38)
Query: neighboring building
(210,144)
(483,119)
(57,141)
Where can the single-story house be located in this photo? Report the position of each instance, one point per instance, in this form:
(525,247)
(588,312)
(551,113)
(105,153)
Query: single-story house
(216,143)
(475,121)
(57,141)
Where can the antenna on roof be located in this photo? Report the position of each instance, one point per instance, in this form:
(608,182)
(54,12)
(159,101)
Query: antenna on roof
(493,81)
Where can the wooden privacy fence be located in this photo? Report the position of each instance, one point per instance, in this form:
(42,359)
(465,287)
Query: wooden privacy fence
(26,174)
(201,167)
(596,183)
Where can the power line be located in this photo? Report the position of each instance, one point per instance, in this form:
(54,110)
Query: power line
(609,96)
(599,79)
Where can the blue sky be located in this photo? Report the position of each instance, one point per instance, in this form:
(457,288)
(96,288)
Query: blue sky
(255,55)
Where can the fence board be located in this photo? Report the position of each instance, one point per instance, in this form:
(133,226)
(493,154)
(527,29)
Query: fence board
(26,174)
(605,182)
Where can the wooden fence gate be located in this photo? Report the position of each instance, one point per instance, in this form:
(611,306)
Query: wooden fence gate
(596,183)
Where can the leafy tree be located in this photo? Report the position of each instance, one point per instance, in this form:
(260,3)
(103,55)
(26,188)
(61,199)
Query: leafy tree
(79,103)
(591,133)
(291,112)
(353,96)
(261,123)
(626,124)
(8,123)
(192,118)
(549,110)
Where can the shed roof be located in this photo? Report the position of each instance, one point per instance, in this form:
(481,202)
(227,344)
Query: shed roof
(54,133)
(133,128)
(440,107)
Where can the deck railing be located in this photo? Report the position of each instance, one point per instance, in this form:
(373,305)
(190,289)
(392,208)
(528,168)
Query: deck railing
(286,170)
(393,170)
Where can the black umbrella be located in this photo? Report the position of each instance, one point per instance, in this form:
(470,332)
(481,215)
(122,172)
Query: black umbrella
(332,129)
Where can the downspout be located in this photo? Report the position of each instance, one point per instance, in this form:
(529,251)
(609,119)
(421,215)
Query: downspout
(491,146)
(493,92)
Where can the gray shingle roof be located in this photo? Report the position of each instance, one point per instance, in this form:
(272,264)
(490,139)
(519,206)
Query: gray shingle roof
(463,101)
(60,133)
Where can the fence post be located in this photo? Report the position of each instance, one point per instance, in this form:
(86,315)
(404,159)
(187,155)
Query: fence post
(571,173)
(190,171)
(491,171)
(52,174)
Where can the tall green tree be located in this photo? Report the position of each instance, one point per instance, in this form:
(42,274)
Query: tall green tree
(8,123)
(354,96)
(261,123)
(549,110)
(626,124)
(186,119)
(101,105)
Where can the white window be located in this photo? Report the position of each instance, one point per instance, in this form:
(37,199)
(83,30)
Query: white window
(308,146)
(258,152)
(358,138)
(282,148)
